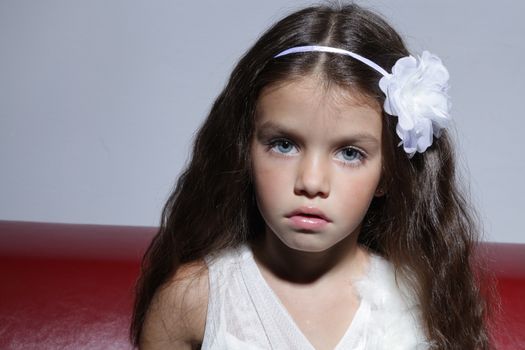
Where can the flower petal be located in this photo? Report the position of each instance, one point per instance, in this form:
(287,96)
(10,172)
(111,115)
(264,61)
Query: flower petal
(416,92)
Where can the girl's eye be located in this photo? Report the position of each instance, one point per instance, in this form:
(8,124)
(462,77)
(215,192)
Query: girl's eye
(352,155)
(282,146)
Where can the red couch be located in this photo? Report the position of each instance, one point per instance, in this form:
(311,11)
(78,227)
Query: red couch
(66,286)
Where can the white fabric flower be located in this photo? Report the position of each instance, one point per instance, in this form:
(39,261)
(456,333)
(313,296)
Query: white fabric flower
(416,92)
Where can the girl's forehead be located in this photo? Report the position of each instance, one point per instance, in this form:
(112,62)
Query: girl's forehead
(311,95)
(314,92)
(304,107)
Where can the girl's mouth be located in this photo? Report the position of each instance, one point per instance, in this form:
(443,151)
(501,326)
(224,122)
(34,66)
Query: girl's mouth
(308,218)
(307,222)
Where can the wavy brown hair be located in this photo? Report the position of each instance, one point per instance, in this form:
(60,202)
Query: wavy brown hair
(422,225)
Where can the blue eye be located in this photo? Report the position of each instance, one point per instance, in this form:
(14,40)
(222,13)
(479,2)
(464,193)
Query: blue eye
(282,146)
(352,155)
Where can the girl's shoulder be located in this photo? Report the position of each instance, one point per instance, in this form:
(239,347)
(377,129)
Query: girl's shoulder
(177,315)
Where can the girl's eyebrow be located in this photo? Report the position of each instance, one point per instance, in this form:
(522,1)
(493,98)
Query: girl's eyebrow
(269,128)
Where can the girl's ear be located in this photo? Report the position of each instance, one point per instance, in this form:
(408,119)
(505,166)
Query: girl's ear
(380,191)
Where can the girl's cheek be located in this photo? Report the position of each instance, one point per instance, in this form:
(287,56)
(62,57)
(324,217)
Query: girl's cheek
(354,184)
(272,176)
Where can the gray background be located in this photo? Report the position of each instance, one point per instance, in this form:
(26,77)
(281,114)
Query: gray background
(99,100)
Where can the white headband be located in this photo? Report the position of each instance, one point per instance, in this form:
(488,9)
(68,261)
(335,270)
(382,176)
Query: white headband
(415,92)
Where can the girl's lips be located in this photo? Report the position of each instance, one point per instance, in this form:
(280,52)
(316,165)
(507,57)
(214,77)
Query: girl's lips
(306,222)
(308,211)
(308,218)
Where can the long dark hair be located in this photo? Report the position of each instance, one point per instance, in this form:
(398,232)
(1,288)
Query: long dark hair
(422,225)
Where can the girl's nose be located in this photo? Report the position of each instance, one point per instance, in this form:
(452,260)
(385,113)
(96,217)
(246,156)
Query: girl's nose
(312,177)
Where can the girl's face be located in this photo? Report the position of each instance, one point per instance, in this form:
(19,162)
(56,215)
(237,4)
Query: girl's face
(316,161)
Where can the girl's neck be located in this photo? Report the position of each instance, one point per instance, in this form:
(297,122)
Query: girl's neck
(346,260)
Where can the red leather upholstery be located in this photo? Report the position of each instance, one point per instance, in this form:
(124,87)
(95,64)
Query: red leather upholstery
(68,286)
(71,286)
(507,262)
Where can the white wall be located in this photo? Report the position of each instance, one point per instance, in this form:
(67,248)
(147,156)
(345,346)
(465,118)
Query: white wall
(99,100)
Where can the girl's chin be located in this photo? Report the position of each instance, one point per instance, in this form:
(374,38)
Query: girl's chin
(316,242)
(308,243)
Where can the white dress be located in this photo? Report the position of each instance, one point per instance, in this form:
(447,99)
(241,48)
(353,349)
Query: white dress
(244,312)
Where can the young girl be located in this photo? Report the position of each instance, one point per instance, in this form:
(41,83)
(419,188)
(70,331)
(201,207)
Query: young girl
(320,208)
